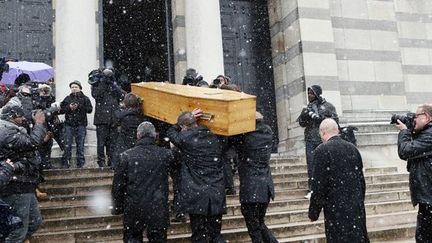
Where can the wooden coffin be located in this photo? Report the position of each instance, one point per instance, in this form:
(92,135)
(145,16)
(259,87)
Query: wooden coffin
(226,112)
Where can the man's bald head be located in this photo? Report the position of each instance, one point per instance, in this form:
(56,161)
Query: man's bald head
(328,128)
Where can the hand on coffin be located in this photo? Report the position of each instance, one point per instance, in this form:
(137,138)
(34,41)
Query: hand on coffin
(197,113)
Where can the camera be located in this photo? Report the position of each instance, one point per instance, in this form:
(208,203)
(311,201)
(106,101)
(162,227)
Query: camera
(101,75)
(407,119)
(216,81)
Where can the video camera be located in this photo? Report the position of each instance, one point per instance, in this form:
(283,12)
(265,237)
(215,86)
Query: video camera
(407,119)
(101,75)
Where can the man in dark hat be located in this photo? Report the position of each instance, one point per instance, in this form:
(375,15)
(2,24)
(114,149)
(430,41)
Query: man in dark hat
(75,106)
(310,118)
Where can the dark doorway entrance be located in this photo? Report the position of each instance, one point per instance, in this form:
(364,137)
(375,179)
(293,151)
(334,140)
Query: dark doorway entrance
(137,39)
(247,52)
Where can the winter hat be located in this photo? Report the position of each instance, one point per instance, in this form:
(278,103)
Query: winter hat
(75,82)
(11,112)
(316,89)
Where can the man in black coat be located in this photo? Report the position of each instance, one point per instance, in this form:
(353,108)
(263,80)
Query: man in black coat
(201,189)
(310,118)
(256,183)
(140,188)
(20,147)
(75,106)
(416,147)
(108,96)
(338,187)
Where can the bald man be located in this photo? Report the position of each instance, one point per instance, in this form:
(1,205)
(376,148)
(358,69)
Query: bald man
(338,187)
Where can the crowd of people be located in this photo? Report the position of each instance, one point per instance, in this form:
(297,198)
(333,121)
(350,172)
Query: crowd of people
(144,153)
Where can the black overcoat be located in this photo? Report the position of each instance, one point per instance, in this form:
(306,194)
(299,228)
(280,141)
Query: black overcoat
(254,149)
(128,121)
(140,185)
(20,147)
(338,187)
(417,150)
(108,97)
(201,186)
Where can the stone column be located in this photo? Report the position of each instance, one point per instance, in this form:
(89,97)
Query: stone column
(76,48)
(204,37)
(76,40)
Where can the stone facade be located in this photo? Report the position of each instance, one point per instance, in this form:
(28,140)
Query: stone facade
(369,56)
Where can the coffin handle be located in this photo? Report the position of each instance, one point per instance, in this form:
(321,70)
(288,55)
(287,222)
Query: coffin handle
(207,116)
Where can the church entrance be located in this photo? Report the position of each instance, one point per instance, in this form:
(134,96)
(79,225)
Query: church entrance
(137,39)
(247,52)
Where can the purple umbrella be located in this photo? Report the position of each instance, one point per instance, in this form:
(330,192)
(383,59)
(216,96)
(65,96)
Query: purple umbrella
(38,71)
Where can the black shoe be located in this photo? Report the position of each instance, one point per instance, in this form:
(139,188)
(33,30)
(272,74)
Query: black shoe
(231,191)
(179,218)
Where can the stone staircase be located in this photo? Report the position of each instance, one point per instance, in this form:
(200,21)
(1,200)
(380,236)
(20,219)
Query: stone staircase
(78,209)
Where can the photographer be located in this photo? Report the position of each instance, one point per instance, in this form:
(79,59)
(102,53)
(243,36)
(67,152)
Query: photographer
(192,78)
(310,118)
(416,147)
(20,147)
(75,106)
(44,100)
(108,96)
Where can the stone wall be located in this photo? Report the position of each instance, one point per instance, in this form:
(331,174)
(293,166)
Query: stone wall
(368,55)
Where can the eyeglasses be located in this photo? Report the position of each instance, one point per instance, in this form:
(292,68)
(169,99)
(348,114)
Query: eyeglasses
(417,115)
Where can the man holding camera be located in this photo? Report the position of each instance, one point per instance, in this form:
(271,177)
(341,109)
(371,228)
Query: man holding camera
(20,147)
(75,106)
(415,146)
(108,96)
(310,118)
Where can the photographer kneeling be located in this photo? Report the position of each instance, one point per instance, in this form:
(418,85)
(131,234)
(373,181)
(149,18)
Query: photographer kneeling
(415,146)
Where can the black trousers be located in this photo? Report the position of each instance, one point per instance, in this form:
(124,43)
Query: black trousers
(133,228)
(424,224)
(254,214)
(206,228)
(105,135)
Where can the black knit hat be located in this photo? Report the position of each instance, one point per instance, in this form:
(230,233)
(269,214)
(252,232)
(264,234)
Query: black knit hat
(75,82)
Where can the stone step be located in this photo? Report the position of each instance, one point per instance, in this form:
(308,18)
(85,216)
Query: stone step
(372,127)
(231,220)
(377,138)
(277,178)
(277,168)
(64,206)
(238,234)
(83,206)
(392,234)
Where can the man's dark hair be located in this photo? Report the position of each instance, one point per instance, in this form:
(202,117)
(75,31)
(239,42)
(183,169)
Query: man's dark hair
(186,119)
(22,79)
(131,101)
